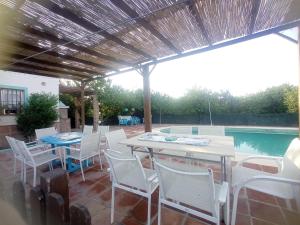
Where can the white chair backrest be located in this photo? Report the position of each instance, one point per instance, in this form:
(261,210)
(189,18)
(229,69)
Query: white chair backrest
(45,132)
(87,129)
(195,189)
(211,130)
(113,139)
(102,130)
(13,145)
(89,144)
(25,151)
(291,161)
(127,171)
(181,130)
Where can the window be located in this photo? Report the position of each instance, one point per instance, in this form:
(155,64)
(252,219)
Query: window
(11,100)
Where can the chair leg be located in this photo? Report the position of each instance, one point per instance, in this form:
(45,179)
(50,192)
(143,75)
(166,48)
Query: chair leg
(159,213)
(112,212)
(15,166)
(100,161)
(82,171)
(227,209)
(234,206)
(22,170)
(25,173)
(149,210)
(34,176)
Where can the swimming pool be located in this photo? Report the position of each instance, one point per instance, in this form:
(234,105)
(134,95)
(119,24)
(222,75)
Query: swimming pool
(258,141)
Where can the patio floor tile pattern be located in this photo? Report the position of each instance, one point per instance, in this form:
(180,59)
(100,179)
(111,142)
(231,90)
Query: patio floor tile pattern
(254,208)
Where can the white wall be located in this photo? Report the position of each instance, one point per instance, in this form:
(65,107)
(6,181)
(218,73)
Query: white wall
(33,83)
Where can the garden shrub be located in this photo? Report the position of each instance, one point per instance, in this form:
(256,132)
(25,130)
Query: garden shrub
(40,112)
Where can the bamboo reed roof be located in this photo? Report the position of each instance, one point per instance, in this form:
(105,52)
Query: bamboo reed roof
(83,39)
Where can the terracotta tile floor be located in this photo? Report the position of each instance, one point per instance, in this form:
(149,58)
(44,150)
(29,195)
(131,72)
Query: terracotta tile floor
(254,208)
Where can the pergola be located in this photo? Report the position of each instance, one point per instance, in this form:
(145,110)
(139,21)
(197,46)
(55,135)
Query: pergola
(79,93)
(92,39)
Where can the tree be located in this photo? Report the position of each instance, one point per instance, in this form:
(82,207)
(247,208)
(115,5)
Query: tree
(291,99)
(40,112)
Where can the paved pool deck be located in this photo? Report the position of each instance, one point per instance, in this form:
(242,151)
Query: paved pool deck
(254,208)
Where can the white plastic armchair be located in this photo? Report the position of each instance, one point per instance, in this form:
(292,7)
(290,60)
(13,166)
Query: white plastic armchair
(193,192)
(89,148)
(16,152)
(39,133)
(284,184)
(37,159)
(113,140)
(87,130)
(209,130)
(129,175)
(102,130)
(45,132)
(181,130)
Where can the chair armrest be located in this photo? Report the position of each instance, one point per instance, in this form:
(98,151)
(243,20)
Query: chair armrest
(223,193)
(270,178)
(277,160)
(114,151)
(31,143)
(35,147)
(76,149)
(43,152)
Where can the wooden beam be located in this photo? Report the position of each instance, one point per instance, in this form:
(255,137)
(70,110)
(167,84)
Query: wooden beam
(54,64)
(38,73)
(67,14)
(134,15)
(193,9)
(147,99)
(287,37)
(212,47)
(35,67)
(61,41)
(254,12)
(57,55)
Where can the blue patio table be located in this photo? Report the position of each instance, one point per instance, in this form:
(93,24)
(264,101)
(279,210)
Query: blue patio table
(65,140)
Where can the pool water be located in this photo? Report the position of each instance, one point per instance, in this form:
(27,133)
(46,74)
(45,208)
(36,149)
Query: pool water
(261,142)
(258,141)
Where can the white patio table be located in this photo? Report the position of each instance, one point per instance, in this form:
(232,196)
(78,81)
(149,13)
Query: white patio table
(221,146)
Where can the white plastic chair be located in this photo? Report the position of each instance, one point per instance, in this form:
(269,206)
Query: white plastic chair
(211,130)
(181,130)
(214,131)
(89,148)
(45,132)
(113,139)
(102,130)
(87,130)
(193,192)
(129,175)
(37,159)
(16,152)
(285,184)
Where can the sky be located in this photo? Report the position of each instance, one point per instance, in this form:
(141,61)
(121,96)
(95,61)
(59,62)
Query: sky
(242,69)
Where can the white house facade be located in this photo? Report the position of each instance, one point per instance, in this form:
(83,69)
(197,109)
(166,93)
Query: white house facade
(15,88)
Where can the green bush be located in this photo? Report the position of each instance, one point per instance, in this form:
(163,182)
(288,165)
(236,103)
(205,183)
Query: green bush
(40,112)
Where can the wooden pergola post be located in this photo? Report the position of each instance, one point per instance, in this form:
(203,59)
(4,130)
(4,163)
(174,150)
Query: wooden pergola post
(147,99)
(95,112)
(82,104)
(77,114)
